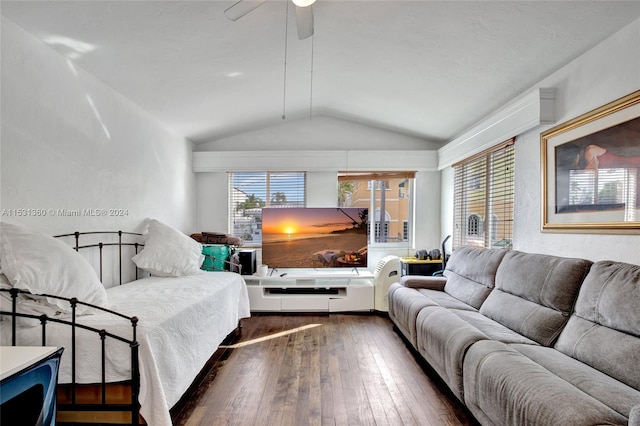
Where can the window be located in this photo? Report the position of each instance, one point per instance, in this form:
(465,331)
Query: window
(483,198)
(387,195)
(249,192)
(473,225)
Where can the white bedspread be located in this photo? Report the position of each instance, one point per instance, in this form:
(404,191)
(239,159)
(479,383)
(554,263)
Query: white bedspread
(182,321)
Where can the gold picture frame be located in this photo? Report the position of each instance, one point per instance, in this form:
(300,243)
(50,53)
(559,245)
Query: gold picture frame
(591,171)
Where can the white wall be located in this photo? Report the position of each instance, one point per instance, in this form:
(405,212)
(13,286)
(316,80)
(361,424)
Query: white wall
(70,142)
(446,205)
(317,133)
(603,74)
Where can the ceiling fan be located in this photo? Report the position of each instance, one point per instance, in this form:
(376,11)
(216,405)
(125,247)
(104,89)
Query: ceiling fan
(304,14)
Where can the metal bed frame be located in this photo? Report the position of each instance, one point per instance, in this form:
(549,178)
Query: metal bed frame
(73,405)
(68,400)
(68,393)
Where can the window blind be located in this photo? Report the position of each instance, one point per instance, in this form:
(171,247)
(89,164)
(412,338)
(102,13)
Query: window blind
(249,192)
(483,198)
(352,176)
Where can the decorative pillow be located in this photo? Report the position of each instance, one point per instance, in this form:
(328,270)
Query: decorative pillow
(5,298)
(168,252)
(43,265)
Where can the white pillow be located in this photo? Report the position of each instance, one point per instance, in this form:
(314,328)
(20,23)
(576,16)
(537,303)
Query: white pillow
(168,252)
(5,298)
(44,265)
(26,305)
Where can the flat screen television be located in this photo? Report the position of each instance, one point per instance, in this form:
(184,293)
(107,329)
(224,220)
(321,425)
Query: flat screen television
(319,237)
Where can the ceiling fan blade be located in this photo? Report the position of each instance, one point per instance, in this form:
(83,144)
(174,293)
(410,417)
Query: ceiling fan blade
(304,21)
(241,8)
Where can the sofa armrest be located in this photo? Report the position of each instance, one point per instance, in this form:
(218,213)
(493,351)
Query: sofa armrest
(421,281)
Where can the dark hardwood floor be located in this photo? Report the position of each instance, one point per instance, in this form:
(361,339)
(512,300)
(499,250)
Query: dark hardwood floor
(338,369)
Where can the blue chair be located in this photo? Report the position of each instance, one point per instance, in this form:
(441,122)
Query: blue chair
(28,397)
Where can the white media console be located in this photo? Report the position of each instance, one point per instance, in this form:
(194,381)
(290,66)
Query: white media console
(312,290)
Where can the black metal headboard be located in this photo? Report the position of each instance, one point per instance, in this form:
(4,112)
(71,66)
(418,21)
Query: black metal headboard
(123,246)
(124,239)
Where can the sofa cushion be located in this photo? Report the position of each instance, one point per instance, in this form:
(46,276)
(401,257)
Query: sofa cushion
(492,329)
(471,273)
(634,416)
(610,296)
(445,300)
(535,293)
(604,388)
(404,306)
(443,339)
(504,387)
(606,316)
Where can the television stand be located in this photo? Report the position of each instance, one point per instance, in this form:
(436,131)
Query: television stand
(312,290)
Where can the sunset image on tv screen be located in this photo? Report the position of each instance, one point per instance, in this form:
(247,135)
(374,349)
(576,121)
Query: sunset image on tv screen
(314,237)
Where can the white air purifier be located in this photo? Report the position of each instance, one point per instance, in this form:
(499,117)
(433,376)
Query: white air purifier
(386,273)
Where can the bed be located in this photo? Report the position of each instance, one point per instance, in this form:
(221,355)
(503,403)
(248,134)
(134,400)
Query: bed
(146,339)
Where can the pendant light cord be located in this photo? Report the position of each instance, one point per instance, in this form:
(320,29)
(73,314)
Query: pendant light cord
(284,85)
(311,80)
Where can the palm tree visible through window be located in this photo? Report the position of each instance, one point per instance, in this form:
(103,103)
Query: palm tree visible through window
(278,198)
(249,192)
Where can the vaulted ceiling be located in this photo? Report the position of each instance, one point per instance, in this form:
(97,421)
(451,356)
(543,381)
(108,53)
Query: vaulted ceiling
(429,69)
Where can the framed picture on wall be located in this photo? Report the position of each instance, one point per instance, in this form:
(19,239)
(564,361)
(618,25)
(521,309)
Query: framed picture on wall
(591,171)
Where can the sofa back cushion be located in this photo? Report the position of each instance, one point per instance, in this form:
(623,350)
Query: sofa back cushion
(471,273)
(604,330)
(535,294)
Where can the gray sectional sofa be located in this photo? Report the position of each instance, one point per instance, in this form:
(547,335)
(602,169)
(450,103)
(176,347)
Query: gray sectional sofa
(529,339)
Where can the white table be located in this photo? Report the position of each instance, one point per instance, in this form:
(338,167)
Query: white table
(16,358)
(28,378)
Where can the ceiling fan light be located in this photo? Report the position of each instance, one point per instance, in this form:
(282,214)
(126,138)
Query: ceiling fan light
(303,3)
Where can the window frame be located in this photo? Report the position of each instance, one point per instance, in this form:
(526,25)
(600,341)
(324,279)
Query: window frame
(405,225)
(268,201)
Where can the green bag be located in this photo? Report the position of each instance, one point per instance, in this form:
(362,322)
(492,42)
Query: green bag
(216,257)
